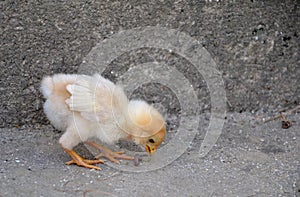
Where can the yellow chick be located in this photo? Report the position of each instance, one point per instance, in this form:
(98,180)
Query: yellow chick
(91,106)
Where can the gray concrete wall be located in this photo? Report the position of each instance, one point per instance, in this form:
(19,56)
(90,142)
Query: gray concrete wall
(254,43)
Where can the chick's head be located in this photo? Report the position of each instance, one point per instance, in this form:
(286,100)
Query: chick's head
(148,127)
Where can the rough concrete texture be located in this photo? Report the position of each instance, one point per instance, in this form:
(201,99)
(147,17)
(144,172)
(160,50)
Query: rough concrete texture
(255,45)
(249,159)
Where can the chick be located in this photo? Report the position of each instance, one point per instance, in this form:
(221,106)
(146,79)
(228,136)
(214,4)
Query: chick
(91,106)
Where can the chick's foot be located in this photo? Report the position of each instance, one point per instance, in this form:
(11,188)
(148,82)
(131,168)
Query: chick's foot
(78,160)
(108,154)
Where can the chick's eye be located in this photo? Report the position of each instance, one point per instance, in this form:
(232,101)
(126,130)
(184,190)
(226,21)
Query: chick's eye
(151,140)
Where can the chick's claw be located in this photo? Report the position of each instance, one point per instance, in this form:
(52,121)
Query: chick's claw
(87,161)
(78,160)
(108,154)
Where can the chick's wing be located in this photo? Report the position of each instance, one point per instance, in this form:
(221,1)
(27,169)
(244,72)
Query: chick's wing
(96,98)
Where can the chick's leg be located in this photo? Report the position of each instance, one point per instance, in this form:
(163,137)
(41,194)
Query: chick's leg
(78,160)
(110,155)
(69,140)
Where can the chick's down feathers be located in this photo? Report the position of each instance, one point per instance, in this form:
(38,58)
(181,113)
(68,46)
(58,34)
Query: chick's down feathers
(92,106)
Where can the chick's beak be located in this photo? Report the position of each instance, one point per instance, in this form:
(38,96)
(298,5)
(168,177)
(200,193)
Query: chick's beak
(150,150)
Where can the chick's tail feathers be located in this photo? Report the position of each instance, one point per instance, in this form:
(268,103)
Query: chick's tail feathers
(47,86)
(56,85)
(54,90)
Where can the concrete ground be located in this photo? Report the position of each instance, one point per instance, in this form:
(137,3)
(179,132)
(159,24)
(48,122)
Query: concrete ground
(255,45)
(250,159)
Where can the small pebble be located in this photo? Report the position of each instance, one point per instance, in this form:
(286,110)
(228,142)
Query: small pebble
(137,159)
